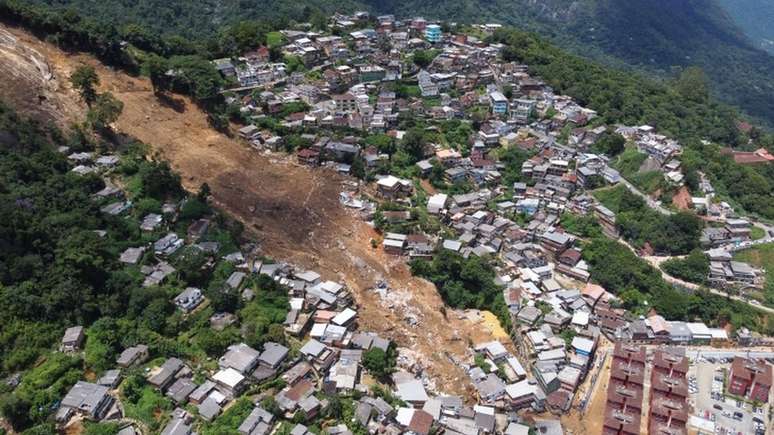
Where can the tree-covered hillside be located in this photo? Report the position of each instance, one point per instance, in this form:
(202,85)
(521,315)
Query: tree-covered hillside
(755,18)
(196,19)
(60,266)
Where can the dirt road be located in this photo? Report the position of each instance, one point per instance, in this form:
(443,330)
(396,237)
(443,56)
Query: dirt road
(292,211)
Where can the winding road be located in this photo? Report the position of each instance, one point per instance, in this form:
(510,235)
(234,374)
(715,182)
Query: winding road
(656,261)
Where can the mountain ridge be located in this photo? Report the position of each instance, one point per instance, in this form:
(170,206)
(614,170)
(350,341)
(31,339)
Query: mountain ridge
(755,18)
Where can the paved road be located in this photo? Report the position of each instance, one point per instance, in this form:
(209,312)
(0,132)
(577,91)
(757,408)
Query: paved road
(656,262)
(655,205)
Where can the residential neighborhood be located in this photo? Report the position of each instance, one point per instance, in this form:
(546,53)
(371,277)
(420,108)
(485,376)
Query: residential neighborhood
(488,184)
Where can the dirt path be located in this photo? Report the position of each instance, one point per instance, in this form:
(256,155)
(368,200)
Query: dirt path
(292,211)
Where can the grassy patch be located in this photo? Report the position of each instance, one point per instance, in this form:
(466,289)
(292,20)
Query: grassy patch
(274,39)
(761,256)
(229,422)
(151,408)
(611,198)
(648,182)
(629,162)
(757,233)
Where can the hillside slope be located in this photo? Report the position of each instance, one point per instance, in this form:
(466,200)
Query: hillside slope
(755,18)
(265,193)
(655,36)
(658,38)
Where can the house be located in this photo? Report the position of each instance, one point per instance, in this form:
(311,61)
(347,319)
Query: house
(72,339)
(750,379)
(499,103)
(494,350)
(164,375)
(345,373)
(555,243)
(132,355)
(189,299)
(308,156)
(273,354)
(433,33)
(583,346)
(410,389)
(394,243)
(437,203)
(180,424)
(427,87)
(529,315)
(522,394)
(521,110)
(392,187)
(258,422)
(151,222)
(240,357)
(209,409)
(168,245)
(319,355)
(419,245)
(197,229)
(345,103)
(230,380)
(180,390)
(340,151)
(202,392)
(225,67)
(89,400)
(249,132)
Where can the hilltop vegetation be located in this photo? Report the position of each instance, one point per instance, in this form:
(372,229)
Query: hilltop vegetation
(754,17)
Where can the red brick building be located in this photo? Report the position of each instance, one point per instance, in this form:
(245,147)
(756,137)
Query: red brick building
(624,392)
(669,410)
(750,379)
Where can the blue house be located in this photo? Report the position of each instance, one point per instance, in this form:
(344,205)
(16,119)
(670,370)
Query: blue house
(433,33)
(499,103)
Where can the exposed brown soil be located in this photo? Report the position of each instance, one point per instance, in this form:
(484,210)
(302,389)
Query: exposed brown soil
(682,199)
(28,81)
(292,211)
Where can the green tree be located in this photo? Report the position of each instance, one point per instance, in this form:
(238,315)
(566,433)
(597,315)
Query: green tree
(157,68)
(611,144)
(85,79)
(413,143)
(105,111)
(132,387)
(16,410)
(378,363)
(693,268)
(423,58)
(692,85)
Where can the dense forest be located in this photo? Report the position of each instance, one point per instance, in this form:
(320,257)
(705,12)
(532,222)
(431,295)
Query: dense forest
(754,17)
(464,282)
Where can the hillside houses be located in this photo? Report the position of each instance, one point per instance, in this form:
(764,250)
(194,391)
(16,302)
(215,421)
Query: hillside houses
(463,158)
